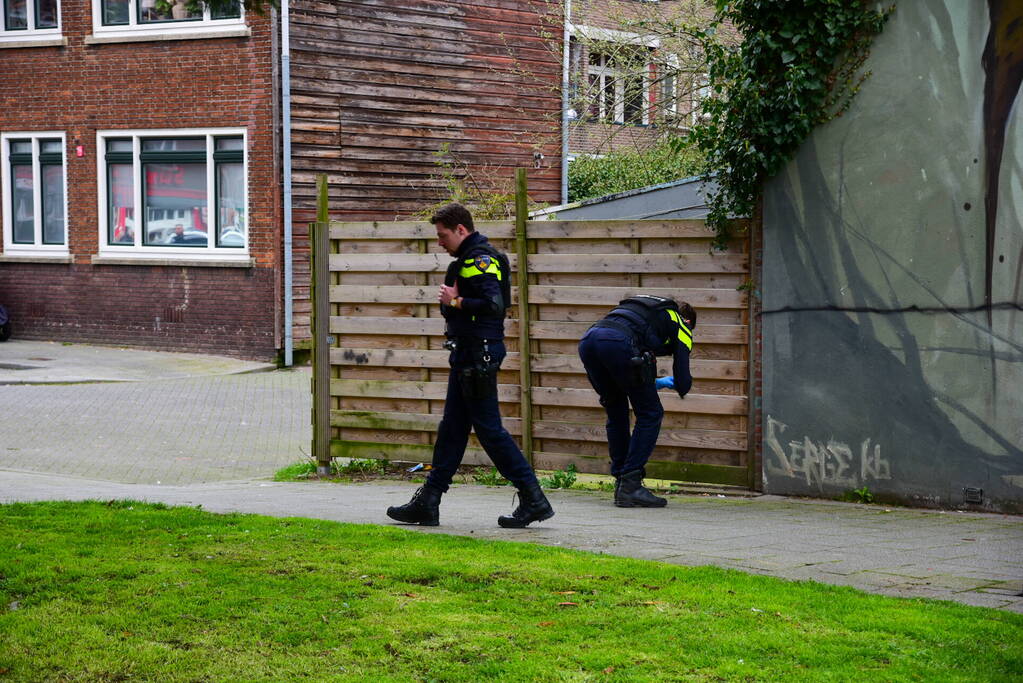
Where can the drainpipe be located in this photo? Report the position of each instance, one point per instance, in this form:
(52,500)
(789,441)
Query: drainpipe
(565,58)
(289,341)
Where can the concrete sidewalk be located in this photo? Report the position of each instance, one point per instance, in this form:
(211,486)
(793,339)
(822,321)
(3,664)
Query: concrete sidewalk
(42,362)
(965,557)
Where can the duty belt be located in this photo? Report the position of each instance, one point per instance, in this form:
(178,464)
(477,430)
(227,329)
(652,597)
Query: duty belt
(615,325)
(453,343)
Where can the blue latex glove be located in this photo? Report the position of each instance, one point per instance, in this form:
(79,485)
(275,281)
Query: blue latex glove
(665,382)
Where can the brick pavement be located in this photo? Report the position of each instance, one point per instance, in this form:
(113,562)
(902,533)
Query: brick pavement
(174,431)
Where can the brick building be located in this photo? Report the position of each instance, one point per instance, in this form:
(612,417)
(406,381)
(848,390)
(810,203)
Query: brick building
(629,84)
(141,150)
(139,166)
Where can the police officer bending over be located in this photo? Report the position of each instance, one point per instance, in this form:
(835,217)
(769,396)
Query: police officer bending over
(473,299)
(618,354)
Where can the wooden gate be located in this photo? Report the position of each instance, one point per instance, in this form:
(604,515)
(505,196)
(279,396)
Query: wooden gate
(380,371)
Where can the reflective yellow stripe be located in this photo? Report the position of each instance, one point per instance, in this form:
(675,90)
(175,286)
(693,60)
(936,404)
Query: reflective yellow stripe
(472,271)
(685,335)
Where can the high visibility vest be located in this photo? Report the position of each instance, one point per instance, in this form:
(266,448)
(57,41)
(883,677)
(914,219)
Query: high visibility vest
(648,308)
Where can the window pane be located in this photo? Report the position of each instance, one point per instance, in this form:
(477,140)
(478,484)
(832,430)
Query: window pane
(46,13)
(23,204)
(165,10)
(115,12)
(177,194)
(229,144)
(609,101)
(121,204)
(230,205)
(668,94)
(15,14)
(594,95)
(53,204)
(21,147)
(231,12)
(119,145)
(634,99)
(174,145)
(51,146)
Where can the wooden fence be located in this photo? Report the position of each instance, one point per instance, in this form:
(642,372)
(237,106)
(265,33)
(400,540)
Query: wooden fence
(380,371)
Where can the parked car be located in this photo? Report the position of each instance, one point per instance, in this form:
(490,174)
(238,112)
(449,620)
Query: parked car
(5,325)
(232,237)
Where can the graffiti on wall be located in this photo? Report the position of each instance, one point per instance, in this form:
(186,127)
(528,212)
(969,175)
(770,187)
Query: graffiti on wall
(893,272)
(832,463)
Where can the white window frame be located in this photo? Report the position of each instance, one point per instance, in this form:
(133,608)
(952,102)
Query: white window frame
(138,250)
(167,29)
(37,248)
(590,37)
(603,71)
(701,92)
(668,96)
(50,35)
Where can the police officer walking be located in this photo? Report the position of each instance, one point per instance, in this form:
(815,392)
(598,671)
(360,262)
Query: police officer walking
(473,299)
(618,353)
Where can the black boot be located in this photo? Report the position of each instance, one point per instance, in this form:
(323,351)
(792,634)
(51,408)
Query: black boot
(632,494)
(533,507)
(423,509)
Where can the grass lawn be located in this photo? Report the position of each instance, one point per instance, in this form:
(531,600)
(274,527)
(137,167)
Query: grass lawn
(129,591)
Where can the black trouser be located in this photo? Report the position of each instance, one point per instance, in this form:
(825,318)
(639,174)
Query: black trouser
(607,355)
(471,403)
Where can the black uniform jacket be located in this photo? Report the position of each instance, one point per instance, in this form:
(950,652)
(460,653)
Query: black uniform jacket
(661,338)
(479,276)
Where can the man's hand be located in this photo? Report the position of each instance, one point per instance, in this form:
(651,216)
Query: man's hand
(446,294)
(665,382)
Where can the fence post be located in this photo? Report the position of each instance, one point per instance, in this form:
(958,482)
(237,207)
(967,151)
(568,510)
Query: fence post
(320,324)
(525,374)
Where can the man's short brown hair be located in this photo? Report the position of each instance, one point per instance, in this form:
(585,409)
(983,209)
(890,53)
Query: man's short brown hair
(688,313)
(452,215)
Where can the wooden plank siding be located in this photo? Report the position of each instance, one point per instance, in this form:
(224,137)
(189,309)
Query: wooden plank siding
(379,86)
(389,370)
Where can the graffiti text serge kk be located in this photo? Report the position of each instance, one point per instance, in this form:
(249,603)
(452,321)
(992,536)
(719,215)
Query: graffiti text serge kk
(833,463)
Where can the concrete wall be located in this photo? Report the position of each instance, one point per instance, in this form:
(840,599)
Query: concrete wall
(913,198)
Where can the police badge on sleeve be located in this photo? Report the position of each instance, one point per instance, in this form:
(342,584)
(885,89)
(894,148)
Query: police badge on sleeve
(483,262)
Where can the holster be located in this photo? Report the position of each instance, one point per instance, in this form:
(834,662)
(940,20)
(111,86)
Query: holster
(644,368)
(478,380)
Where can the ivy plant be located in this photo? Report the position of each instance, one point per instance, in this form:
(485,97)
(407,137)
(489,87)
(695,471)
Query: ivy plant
(798,65)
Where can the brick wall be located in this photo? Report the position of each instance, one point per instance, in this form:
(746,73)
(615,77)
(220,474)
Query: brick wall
(204,310)
(756,353)
(603,138)
(594,137)
(82,88)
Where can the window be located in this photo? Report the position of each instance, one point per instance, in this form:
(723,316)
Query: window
(112,17)
(28,19)
(35,198)
(701,91)
(619,87)
(173,192)
(669,95)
